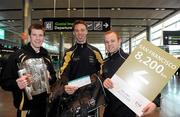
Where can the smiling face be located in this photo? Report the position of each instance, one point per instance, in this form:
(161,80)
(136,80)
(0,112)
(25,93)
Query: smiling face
(112,42)
(80,33)
(36,39)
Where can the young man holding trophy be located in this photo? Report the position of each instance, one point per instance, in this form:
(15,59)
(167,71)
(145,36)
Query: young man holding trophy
(28,74)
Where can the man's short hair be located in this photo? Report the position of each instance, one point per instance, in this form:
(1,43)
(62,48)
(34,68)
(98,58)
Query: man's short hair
(111,31)
(36,26)
(79,22)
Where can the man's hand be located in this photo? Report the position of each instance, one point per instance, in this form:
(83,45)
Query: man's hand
(23,81)
(108,83)
(149,109)
(48,75)
(70,89)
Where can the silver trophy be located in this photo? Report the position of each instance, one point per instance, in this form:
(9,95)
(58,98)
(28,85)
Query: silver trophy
(39,76)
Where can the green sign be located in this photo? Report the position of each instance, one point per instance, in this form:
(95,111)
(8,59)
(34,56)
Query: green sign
(2,34)
(171,37)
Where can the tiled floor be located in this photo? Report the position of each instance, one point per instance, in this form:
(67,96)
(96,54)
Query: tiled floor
(170,101)
(6,104)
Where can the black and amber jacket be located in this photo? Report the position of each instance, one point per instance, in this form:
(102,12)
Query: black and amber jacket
(10,75)
(80,60)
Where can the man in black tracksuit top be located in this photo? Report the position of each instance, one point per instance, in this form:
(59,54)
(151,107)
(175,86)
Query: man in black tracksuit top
(15,83)
(80,60)
(115,108)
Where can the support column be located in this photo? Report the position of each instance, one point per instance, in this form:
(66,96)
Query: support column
(130,46)
(148,33)
(73,40)
(27,16)
(61,48)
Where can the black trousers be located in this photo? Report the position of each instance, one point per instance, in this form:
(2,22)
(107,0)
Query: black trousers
(38,112)
(118,112)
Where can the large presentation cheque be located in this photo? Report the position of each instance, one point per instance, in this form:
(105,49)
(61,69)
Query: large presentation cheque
(143,75)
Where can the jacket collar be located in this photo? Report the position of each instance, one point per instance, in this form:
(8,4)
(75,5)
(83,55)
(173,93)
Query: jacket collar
(118,53)
(42,51)
(81,45)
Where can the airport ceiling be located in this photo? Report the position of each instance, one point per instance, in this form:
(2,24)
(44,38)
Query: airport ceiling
(128,17)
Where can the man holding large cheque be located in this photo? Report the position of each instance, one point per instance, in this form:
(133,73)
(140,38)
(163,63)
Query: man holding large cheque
(116,57)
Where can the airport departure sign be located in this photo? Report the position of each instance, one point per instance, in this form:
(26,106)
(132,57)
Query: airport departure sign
(171,37)
(65,24)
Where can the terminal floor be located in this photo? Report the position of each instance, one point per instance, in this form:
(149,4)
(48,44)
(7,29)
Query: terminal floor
(170,101)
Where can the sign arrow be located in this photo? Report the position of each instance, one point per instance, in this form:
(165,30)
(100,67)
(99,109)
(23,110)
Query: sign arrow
(106,25)
(139,74)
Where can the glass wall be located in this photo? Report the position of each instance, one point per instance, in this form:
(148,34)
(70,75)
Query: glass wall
(125,46)
(156,32)
(101,48)
(171,24)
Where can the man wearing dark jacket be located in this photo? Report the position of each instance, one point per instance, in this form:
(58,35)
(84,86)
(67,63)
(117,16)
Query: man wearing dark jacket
(116,57)
(80,60)
(17,84)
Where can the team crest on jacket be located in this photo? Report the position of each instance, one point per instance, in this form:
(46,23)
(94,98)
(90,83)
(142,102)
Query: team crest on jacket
(76,58)
(91,59)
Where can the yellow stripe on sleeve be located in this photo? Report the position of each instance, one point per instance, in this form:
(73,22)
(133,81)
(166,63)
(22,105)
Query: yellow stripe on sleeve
(23,113)
(22,102)
(98,56)
(67,59)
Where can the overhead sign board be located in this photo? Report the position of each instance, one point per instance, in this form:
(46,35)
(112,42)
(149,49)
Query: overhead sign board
(171,37)
(65,24)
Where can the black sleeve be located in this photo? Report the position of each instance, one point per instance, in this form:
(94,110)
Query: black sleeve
(10,74)
(157,100)
(103,73)
(52,72)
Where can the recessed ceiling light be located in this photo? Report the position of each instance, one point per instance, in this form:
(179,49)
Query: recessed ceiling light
(112,9)
(118,9)
(74,9)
